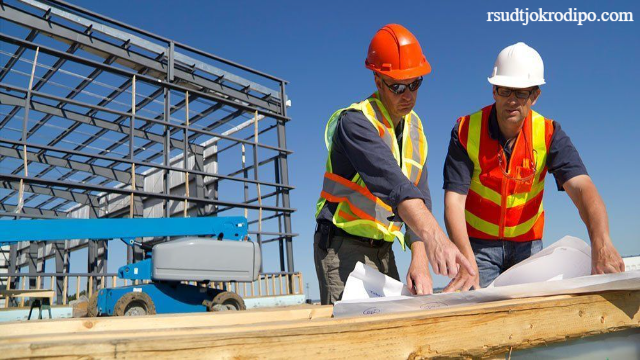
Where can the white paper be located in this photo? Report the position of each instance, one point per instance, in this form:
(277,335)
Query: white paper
(567,258)
(562,268)
(365,282)
(592,283)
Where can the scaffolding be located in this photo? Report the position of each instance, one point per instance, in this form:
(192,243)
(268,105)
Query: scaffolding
(101,119)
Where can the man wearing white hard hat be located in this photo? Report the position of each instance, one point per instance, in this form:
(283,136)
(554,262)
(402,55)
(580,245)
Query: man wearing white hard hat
(495,171)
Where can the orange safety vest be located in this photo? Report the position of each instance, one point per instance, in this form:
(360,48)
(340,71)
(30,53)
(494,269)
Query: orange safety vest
(505,202)
(359,212)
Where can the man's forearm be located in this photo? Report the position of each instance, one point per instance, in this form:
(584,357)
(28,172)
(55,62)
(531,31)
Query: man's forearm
(596,220)
(604,256)
(454,218)
(443,255)
(455,222)
(592,210)
(415,215)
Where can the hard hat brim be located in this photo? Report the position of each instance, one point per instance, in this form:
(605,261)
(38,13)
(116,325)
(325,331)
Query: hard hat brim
(515,83)
(415,72)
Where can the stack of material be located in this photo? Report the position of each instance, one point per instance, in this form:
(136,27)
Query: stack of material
(310,331)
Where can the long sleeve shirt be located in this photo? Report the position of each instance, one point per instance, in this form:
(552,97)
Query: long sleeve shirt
(357,148)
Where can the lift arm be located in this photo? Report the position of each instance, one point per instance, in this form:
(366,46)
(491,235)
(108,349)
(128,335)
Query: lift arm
(228,228)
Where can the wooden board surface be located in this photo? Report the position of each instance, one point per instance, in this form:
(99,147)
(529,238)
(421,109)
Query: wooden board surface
(468,331)
(158,322)
(27,293)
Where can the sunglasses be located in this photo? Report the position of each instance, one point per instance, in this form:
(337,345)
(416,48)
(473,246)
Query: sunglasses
(520,94)
(401,88)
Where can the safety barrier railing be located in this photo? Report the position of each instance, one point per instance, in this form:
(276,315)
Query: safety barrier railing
(74,285)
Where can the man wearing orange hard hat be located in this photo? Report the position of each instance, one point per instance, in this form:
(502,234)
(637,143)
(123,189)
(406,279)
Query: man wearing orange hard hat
(494,177)
(376,178)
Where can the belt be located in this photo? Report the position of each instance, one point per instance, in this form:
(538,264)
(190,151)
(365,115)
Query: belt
(332,230)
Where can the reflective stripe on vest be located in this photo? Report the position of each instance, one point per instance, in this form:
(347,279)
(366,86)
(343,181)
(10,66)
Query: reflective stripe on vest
(499,206)
(359,212)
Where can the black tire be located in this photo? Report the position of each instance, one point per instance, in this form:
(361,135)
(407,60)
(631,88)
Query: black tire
(134,304)
(92,306)
(226,301)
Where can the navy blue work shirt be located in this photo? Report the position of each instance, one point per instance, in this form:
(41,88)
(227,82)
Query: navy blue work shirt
(358,148)
(563,160)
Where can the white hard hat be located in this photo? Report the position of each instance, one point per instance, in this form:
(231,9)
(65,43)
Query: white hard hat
(518,66)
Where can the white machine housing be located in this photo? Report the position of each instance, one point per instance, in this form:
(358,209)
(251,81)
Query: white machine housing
(206,259)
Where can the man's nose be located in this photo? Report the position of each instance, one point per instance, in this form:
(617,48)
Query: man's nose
(512,99)
(408,95)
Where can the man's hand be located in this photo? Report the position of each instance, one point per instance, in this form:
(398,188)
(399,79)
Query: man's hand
(604,256)
(443,255)
(418,277)
(445,258)
(465,281)
(605,259)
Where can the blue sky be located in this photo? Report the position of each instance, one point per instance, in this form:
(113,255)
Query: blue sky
(591,72)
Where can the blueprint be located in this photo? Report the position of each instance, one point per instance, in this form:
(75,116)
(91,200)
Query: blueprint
(562,268)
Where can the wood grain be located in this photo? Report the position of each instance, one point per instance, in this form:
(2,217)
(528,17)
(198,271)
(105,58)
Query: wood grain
(470,331)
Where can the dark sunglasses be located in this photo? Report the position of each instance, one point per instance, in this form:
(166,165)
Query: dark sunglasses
(520,94)
(401,88)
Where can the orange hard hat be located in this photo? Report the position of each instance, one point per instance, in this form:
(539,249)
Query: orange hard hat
(395,52)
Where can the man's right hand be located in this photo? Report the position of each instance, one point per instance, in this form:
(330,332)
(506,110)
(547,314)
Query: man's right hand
(464,281)
(443,254)
(445,257)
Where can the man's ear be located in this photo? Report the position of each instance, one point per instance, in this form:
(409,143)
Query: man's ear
(536,96)
(377,80)
(495,94)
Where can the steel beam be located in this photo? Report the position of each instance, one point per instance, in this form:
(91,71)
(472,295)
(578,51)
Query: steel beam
(73,196)
(32,212)
(6,99)
(126,58)
(206,93)
(152,47)
(112,174)
(123,191)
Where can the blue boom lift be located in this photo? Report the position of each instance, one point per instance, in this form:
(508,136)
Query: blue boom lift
(199,259)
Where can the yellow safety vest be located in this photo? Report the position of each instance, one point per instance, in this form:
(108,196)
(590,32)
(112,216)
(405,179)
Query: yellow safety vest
(359,212)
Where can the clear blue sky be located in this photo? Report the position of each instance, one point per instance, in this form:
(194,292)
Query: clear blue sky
(592,89)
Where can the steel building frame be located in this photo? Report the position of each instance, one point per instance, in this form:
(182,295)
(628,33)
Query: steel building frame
(142,126)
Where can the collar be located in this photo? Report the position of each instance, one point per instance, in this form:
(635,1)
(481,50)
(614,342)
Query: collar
(494,128)
(400,126)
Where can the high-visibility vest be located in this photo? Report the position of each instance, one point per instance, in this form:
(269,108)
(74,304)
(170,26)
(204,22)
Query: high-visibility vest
(505,202)
(359,212)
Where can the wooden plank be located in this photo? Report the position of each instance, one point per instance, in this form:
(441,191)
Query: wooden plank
(7,301)
(27,293)
(167,321)
(469,331)
(24,287)
(273,285)
(281,284)
(300,284)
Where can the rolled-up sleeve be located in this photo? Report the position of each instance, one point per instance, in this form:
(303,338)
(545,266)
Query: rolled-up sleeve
(373,161)
(563,160)
(458,167)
